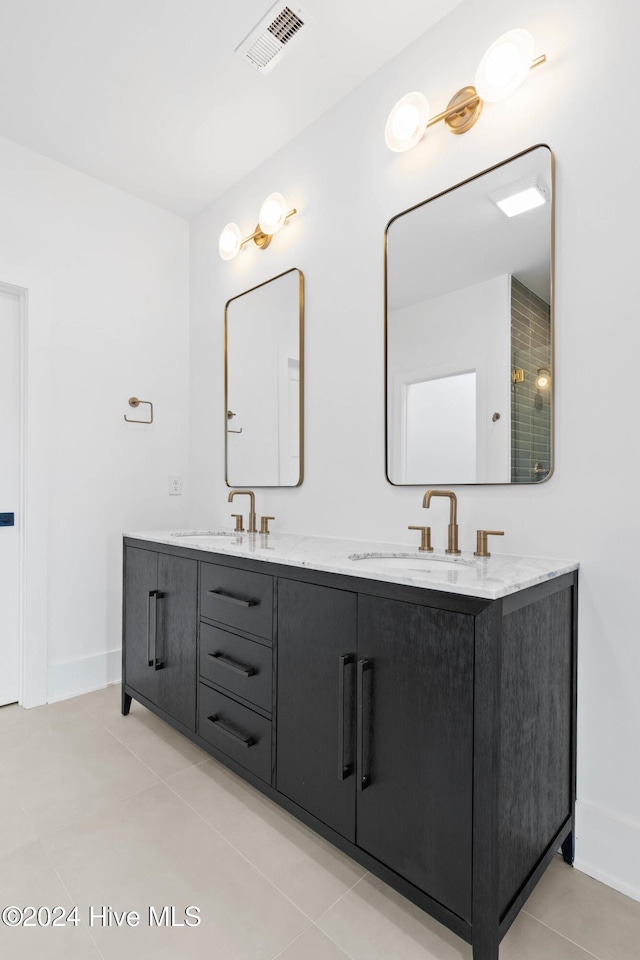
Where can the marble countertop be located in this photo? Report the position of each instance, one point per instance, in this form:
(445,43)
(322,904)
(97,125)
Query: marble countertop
(490,578)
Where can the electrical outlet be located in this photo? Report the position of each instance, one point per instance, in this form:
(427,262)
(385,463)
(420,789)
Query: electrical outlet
(175,486)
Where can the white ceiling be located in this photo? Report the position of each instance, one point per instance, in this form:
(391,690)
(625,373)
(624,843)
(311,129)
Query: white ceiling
(148,95)
(461,238)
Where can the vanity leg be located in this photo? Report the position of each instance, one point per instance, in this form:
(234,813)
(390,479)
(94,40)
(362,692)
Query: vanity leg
(569,849)
(487,947)
(126,703)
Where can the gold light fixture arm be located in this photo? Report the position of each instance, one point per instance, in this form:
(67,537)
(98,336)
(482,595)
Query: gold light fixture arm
(262,240)
(458,108)
(463,101)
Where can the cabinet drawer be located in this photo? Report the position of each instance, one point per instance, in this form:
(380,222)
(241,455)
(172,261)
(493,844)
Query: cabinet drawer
(239,665)
(235,730)
(238,598)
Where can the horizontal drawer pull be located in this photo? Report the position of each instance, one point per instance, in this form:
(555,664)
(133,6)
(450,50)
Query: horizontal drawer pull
(226,661)
(223,728)
(232,599)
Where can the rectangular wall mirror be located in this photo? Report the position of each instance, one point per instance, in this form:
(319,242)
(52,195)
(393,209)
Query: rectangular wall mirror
(264,382)
(469,330)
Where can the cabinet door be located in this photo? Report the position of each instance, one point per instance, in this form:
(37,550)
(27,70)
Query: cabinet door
(160,625)
(140,607)
(316,701)
(176,645)
(415,727)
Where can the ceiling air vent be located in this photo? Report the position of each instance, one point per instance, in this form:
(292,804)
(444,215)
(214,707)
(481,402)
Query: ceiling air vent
(272,37)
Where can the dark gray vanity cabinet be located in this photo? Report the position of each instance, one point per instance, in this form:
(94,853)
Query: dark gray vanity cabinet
(235,658)
(316,701)
(375,729)
(415,745)
(160,626)
(429,735)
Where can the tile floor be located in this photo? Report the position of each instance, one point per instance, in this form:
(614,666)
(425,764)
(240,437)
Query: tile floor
(98,810)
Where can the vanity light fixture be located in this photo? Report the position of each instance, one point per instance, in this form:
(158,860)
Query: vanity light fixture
(273,216)
(543,380)
(522,196)
(502,70)
(407,122)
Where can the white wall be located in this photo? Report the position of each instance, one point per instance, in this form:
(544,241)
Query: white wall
(464,330)
(117,274)
(346,185)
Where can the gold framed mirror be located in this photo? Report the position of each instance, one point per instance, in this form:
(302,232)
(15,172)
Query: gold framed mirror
(469,374)
(264,384)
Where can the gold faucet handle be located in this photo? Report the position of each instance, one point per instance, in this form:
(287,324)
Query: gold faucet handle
(239,522)
(264,524)
(425,539)
(481,549)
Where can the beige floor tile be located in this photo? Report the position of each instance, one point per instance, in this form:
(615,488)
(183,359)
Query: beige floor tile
(591,914)
(373,922)
(102,704)
(528,939)
(63,769)
(155,742)
(310,871)
(28,879)
(10,715)
(312,945)
(15,829)
(56,715)
(154,850)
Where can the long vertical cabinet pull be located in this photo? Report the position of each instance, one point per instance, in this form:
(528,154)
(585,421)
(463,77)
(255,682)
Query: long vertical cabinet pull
(363,731)
(344,769)
(152,630)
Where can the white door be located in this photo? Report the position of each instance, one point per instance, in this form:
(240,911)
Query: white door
(9,493)
(441,429)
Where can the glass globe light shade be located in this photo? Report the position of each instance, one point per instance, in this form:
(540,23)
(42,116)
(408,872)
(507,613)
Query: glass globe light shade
(407,122)
(504,66)
(543,379)
(273,213)
(229,242)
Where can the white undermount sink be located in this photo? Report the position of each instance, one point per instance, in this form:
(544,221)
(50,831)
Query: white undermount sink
(425,563)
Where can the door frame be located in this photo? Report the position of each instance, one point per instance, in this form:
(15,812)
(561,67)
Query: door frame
(33,504)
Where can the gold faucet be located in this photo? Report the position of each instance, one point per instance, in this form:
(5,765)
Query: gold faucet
(252,515)
(481,549)
(453,516)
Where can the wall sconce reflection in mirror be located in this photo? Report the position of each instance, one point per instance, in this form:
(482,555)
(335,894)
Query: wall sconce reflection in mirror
(502,70)
(134,402)
(273,216)
(543,380)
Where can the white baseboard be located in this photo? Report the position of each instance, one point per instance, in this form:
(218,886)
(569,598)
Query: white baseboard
(74,677)
(608,849)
